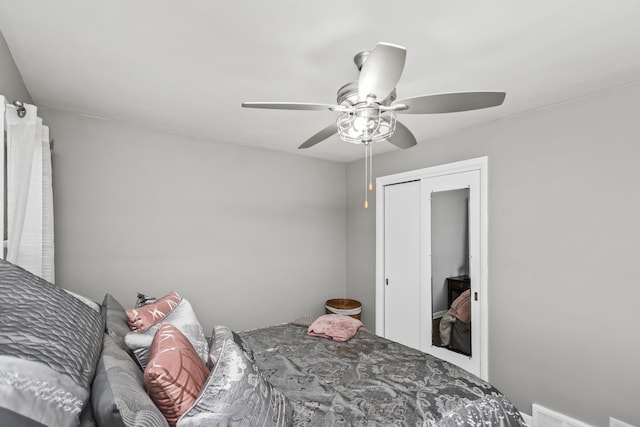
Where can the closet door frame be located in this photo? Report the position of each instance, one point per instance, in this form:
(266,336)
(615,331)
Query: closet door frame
(3,109)
(477,164)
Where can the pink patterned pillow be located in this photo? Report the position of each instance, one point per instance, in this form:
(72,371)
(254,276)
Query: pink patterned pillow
(175,373)
(142,318)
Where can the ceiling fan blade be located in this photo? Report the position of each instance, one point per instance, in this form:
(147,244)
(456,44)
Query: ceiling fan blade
(381,71)
(402,137)
(451,102)
(290,106)
(325,133)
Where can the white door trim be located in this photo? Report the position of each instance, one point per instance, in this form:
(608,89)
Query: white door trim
(480,164)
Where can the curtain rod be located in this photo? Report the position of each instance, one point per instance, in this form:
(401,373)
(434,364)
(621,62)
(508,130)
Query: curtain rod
(20,108)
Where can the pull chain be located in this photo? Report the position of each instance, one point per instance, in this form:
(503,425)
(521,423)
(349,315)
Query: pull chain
(366,175)
(370,167)
(368,172)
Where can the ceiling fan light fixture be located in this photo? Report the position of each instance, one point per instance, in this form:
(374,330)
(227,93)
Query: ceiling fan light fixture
(366,124)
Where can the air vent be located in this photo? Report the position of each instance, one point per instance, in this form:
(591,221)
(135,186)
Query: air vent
(545,417)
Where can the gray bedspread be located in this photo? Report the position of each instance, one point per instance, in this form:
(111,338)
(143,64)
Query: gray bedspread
(371,381)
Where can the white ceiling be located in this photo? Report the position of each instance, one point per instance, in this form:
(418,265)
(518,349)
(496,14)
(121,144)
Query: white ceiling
(186,66)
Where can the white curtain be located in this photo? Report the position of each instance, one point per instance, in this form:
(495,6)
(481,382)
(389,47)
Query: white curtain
(29,198)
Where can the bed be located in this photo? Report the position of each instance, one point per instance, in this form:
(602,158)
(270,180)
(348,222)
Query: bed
(67,361)
(371,381)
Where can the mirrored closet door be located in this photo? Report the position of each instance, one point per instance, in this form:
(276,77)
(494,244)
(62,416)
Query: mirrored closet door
(450,267)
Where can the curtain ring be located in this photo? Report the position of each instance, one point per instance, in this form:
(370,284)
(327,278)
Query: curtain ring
(20,108)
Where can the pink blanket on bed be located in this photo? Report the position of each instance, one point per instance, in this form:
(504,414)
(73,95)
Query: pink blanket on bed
(335,326)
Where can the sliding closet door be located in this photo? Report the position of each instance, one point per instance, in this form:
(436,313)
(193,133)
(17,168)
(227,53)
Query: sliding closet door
(402,263)
(431,247)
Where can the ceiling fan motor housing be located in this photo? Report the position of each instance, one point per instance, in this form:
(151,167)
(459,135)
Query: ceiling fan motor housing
(348,96)
(360,58)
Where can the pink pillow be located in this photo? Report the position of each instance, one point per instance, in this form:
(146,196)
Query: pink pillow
(175,373)
(142,318)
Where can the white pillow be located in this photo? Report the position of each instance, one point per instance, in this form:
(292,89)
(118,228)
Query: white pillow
(94,305)
(182,317)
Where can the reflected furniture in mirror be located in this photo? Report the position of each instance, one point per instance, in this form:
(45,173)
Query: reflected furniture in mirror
(455,286)
(453,329)
(461,332)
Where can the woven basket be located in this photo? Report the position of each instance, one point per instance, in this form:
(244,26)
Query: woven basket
(347,307)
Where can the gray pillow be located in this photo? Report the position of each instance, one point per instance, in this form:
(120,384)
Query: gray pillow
(92,304)
(217,340)
(14,419)
(118,396)
(182,317)
(50,346)
(236,393)
(305,321)
(115,321)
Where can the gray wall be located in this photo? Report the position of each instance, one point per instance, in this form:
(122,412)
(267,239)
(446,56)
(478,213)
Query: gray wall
(250,237)
(564,233)
(11,84)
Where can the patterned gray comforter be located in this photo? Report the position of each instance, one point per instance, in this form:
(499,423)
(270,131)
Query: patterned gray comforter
(371,381)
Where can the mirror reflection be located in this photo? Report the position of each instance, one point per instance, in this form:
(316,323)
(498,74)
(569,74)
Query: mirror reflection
(450,281)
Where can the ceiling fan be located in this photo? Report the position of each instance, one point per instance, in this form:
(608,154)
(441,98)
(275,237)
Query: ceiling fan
(368,106)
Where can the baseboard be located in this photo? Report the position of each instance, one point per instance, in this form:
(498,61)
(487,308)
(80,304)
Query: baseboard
(617,423)
(545,417)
